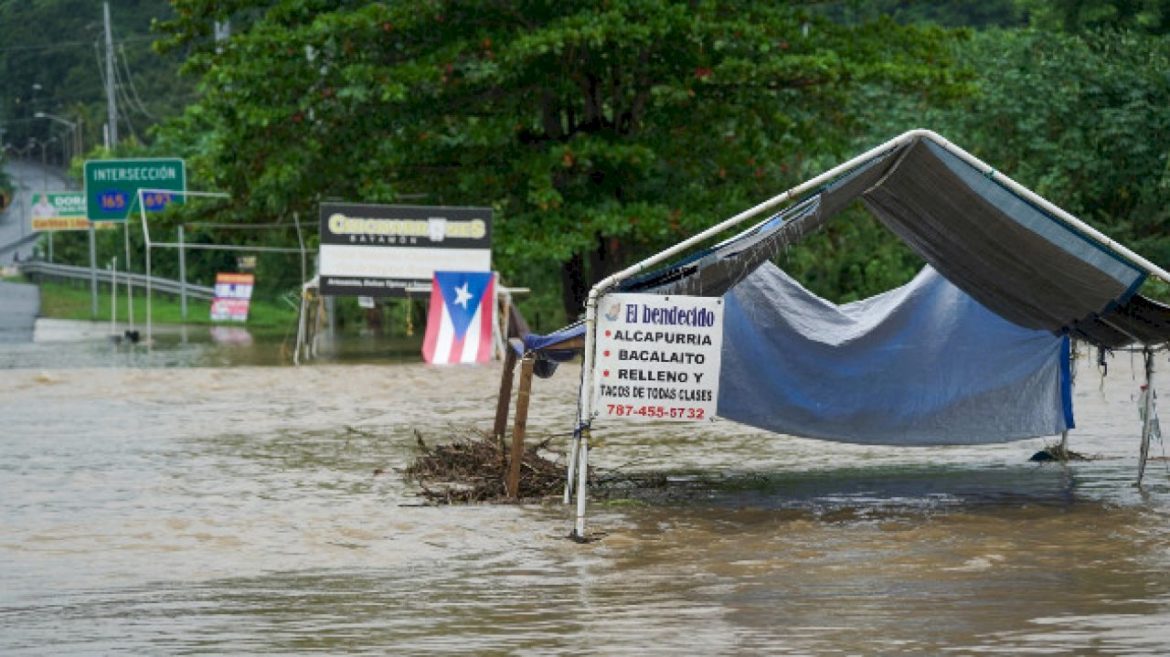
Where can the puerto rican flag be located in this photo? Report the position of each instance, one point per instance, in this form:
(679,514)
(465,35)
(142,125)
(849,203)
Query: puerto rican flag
(459,322)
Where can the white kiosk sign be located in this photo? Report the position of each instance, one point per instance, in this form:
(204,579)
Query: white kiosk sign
(383,250)
(657,357)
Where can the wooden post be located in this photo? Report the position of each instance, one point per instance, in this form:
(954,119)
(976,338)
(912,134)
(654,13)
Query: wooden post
(519,428)
(501,426)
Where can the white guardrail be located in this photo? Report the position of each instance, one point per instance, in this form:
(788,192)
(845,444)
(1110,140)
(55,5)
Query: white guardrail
(36,268)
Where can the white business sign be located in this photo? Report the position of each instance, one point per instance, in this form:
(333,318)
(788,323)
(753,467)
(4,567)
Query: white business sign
(383,250)
(657,357)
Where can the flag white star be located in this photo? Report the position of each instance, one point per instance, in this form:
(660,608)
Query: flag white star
(462,295)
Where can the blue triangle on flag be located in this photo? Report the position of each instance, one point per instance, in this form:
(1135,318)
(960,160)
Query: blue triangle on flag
(462,293)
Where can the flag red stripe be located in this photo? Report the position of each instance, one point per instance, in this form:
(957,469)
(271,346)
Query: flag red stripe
(455,355)
(487,311)
(434,316)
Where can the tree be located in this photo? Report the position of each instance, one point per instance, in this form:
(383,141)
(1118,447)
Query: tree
(48,61)
(1083,120)
(598,131)
(1083,16)
(951,13)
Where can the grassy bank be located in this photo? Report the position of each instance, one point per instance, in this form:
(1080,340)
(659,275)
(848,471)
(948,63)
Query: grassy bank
(66,301)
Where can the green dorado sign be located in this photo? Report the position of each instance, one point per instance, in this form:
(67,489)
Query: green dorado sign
(111,186)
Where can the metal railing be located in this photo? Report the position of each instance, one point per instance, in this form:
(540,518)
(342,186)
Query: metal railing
(39,269)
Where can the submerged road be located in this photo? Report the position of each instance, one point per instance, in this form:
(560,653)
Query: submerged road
(19,305)
(16,236)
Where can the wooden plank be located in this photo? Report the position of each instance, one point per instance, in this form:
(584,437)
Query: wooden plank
(505,397)
(520,427)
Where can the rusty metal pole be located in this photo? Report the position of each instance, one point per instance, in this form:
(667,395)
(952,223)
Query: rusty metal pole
(505,398)
(519,428)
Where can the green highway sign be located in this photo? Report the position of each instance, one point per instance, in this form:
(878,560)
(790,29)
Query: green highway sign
(111,186)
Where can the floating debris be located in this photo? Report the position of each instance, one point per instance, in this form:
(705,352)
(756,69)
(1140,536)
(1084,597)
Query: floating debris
(473,467)
(1056,452)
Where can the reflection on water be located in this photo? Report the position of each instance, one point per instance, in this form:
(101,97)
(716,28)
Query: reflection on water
(69,344)
(164,504)
(230,335)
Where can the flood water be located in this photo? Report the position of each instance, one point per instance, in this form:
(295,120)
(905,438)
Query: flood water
(202,498)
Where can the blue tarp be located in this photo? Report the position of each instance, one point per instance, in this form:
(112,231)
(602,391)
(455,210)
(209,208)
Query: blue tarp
(535,342)
(923,364)
(974,350)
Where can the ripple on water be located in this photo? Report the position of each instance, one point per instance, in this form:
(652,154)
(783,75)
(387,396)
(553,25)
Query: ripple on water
(236,510)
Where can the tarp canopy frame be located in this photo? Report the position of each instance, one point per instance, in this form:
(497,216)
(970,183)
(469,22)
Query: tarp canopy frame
(866,174)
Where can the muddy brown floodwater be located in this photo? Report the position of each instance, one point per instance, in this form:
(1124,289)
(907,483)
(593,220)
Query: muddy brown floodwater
(152,504)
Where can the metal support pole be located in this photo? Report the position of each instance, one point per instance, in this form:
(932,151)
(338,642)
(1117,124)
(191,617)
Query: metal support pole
(582,484)
(318,318)
(182,276)
(499,330)
(520,427)
(93,283)
(301,243)
(301,327)
(149,313)
(129,290)
(572,467)
(1147,414)
(114,296)
(331,309)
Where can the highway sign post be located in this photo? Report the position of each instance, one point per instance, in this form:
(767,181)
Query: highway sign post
(112,186)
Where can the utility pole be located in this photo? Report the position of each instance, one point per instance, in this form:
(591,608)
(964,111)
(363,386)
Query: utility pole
(111,107)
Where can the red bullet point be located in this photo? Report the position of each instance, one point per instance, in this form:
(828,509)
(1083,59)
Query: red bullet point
(605,373)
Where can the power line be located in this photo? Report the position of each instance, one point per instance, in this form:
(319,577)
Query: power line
(134,90)
(69,44)
(120,89)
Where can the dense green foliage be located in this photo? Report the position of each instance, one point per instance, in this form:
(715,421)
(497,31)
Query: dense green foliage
(601,131)
(1083,120)
(1086,16)
(950,13)
(50,62)
(598,131)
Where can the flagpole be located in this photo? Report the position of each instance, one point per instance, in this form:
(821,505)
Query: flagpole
(499,329)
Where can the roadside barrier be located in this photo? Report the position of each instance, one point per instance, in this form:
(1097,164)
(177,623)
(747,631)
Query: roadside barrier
(46,270)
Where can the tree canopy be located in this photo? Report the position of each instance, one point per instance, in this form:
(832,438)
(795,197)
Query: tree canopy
(601,131)
(51,60)
(597,131)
